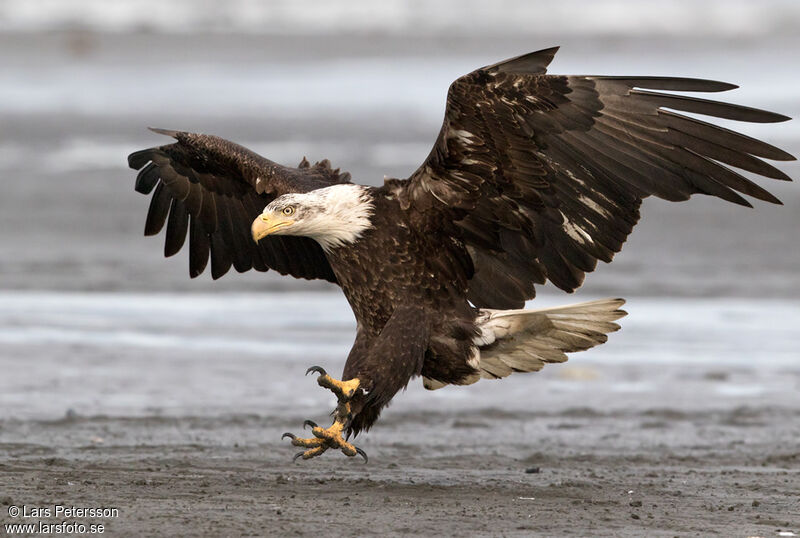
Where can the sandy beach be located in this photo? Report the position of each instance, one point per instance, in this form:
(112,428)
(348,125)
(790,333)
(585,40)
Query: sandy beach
(657,472)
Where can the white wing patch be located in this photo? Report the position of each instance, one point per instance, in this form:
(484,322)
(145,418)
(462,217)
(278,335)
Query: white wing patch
(576,232)
(594,206)
(465,137)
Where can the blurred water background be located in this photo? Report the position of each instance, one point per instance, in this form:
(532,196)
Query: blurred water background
(92,318)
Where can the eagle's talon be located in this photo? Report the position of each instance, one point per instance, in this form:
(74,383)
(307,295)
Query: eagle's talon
(310,453)
(317,369)
(289,435)
(331,437)
(325,438)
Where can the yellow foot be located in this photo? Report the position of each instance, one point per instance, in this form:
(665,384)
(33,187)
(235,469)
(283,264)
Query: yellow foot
(343,390)
(325,438)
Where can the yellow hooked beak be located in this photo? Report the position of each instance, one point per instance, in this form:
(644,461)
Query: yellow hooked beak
(266,224)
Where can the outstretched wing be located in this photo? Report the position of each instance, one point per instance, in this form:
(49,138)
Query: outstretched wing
(546,173)
(213,189)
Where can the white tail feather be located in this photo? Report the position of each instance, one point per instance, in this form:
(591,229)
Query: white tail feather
(525,340)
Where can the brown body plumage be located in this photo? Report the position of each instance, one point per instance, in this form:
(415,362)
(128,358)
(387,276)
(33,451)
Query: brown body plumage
(533,177)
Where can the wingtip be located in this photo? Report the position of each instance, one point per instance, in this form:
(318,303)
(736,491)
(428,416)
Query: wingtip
(138,159)
(168,132)
(722,86)
(784,156)
(532,63)
(767,116)
(549,52)
(770,200)
(677,84)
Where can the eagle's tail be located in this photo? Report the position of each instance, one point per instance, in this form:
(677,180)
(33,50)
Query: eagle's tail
(524,340)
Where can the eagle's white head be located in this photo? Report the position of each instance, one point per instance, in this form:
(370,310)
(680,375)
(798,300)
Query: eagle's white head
(333,216)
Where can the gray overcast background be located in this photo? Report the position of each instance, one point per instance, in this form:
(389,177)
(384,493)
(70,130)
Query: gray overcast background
(361,83)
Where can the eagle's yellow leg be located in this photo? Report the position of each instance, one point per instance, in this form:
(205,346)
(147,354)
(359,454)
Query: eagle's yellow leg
(325,438)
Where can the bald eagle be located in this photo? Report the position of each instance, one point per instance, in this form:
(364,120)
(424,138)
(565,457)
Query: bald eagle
(533,177)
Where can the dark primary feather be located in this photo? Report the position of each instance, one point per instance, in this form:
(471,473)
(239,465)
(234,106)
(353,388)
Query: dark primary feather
(546,173)
(212,189)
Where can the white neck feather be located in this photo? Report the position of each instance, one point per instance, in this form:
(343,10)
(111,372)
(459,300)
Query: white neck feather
(333,216)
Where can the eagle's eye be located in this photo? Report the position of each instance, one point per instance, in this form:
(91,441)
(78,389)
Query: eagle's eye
(288,211)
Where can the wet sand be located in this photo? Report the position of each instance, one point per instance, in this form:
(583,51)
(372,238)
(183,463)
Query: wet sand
(727,472)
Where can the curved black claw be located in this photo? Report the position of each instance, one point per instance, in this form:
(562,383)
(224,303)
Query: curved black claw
(362,454)
(297,456)
(309,423)
(289,435)
(317,369)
